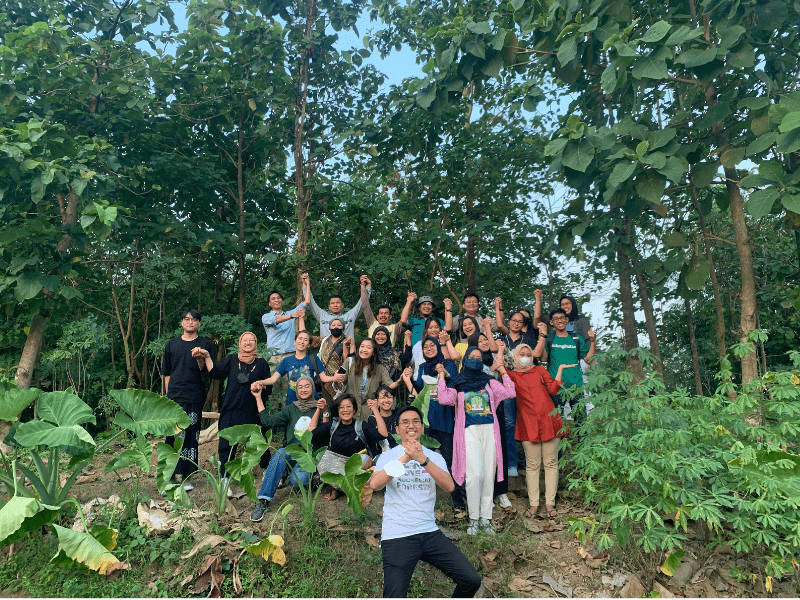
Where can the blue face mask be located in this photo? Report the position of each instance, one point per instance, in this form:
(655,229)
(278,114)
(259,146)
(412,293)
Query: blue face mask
(473,364)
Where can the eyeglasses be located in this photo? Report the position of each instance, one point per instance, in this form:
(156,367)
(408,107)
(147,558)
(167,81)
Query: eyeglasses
(406,422)
(517,321)
(559,318)
(192,319)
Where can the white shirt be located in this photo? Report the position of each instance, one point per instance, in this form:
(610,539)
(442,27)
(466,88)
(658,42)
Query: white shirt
(411,497)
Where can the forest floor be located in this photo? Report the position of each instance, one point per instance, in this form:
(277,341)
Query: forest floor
(340,556)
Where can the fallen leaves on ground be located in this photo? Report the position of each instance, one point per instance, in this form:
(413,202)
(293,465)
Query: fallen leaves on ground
(210,541)
(372,540)
(210,575)
(557,586)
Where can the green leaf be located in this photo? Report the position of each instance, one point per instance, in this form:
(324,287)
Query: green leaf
(148,412)
(673,169)
(789,142)
(29,284)
(652,66)
(73,439)
(682,34)
(167,461)
(760,202)
(517,4)
(656,32)
(351,481)
(86,550)
(661,137)
(567,50)
(703,173)
(578,154)
(657,160)
(651,188)
(555,146)
(482,28)
(253,444)
(742,57)
(608,80)
(698,272)
(676,240)
(791,202)
(732,157)
(790,121)
(426,97)
(621,173)
(696,58)
(14,400)
(672,563)
(422,402)
(64,408)
(21,515)
(138,456)
(762,143)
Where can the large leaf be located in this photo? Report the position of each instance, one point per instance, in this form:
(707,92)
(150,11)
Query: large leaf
(621,173)
(139,456)
(20,515)
(270,547)
(423,402)
(254,446)
(651,187)
(305,457)
(86,550)
(424,440)
(148,412)
(578,154)
(351,481)
(774,468)
(760,202)
(105,535)
(64,409)
(74,439)
(13,400)
(167,461)
(698,272)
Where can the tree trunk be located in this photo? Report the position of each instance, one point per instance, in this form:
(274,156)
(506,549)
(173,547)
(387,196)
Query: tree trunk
(698,383)
(631,339)
(240,203)
(647,305)
(719,325)
(747,321)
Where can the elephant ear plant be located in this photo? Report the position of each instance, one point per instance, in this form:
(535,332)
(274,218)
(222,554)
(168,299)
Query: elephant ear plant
(32,475)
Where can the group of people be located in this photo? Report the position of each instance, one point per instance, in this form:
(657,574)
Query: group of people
(474,384)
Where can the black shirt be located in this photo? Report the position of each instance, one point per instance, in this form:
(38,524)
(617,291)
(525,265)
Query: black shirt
(238,398)
(344,440)
(186,381)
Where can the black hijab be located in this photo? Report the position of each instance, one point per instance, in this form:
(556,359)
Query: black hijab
(469,380)
(388,356)
(573,315)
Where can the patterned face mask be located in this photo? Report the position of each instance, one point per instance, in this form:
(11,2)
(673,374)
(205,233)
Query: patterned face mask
(525,361)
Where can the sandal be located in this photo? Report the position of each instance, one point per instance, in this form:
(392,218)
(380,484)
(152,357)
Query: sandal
(459,512)
(532,512)
(552,513)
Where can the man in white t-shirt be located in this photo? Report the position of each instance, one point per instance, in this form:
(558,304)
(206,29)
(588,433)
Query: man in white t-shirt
(410,474)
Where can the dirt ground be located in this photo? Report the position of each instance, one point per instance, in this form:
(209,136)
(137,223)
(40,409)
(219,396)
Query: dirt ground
(544,559)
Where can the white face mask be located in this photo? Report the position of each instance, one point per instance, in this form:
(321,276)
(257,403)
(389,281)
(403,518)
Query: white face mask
(525,361)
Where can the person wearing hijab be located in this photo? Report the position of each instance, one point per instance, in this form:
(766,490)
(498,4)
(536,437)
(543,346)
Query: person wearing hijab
(477,451)
(388,356)
(537,429)
(439,419)
(239,370)
(295,417)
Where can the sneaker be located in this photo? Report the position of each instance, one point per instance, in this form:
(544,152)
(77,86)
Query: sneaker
(486,526)
(188,486)
(259,510)
(503,501)
(474,527)
(512,472)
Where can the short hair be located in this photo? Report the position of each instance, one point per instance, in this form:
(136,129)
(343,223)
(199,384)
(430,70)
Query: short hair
(386,306)
(336,296)
(403,409)
(557,311)
(296,335)
(336,319)
(274,292)
(193,313)
(470,295)
(338,402)
(384,388)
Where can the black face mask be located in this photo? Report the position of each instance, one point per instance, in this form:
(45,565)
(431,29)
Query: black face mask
(336,331)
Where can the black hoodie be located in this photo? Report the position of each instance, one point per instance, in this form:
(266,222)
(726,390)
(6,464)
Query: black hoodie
(580,323)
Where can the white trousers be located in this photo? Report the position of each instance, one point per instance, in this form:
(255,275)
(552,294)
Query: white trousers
(479,482)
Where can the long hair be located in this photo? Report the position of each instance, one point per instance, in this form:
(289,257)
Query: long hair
(428,323)
(372,364)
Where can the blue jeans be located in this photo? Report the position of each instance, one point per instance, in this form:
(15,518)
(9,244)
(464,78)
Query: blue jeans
(510,406)
(275,470)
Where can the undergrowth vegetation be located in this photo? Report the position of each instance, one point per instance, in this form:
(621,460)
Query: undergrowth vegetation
(656,462)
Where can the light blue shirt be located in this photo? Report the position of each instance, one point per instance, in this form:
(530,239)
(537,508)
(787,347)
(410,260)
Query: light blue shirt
(280,336)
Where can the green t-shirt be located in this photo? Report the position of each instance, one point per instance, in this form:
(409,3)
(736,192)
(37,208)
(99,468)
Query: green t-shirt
(478,408)
(565,352)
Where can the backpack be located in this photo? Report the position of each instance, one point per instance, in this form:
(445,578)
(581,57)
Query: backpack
(315,373)
(359,432)
(548,343)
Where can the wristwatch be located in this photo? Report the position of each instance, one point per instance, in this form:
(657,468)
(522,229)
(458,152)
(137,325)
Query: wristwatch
(427,460)
(326,414)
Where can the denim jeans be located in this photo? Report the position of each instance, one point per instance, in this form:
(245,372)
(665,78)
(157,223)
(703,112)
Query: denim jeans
(510,406)
(275,470)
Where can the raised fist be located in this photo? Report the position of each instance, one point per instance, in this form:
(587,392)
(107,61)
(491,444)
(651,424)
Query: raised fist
(538,294)
(448,303)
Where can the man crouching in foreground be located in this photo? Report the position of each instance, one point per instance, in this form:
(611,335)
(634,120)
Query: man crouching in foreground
(410,474)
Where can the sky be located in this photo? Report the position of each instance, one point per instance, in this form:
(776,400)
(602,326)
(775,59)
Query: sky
(400,65)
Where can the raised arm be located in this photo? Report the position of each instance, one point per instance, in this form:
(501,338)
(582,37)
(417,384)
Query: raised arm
(541,334)
(312,305)
(322,406)
(537,308)
(448,314)
(369,316)
(306,289)
(499,317)
(407,308)
(380,424)
(592,346)
(487,330)
(447,395)
(448,349)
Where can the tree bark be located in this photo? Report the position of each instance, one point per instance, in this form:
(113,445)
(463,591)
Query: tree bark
(647,305)
(698,383)
(31,349)
(719,325)
(631,339)
(749,306)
